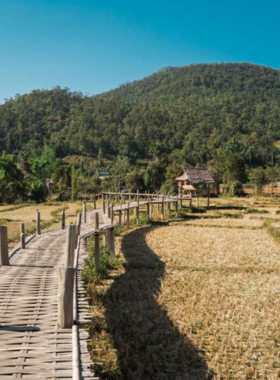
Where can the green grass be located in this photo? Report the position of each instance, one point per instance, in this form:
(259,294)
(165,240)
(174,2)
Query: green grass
(251,210)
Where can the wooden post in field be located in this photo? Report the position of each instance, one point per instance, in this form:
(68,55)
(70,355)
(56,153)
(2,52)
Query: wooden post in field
(79,222)
(208,195)
(176,209)
(96,221)
(137,197)
(96,252)
(65,297)
(94,203)
(191,202)
(38,223)
(85,212)
(4,251)
(70,245)
(62,219)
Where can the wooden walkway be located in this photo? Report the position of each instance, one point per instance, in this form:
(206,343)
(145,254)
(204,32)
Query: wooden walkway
(32,346)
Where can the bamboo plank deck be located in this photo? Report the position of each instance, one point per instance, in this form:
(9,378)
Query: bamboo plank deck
(32,346)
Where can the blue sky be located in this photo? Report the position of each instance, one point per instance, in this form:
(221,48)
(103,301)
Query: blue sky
(93,46)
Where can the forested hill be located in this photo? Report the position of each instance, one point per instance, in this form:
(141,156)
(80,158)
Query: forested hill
(194,113)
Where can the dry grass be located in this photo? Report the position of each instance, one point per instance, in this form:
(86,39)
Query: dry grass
(27,215)
(192,301)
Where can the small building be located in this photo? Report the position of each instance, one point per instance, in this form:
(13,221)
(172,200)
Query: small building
(102,174)
(195,182)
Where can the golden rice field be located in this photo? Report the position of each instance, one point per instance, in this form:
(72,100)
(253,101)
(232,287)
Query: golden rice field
(13,215)
(197,298)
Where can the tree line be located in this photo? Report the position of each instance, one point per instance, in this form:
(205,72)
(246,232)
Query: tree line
(224,116)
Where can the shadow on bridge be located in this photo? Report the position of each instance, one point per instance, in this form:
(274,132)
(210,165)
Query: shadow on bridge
(148,344)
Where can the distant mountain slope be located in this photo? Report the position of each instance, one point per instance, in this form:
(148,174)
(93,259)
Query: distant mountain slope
(196,109)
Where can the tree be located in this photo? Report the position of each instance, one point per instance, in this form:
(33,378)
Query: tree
(11,180)
(259,179)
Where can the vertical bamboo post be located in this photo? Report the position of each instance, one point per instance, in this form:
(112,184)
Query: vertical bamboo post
(96,252)
(38,223)
(191,202)
(208,195)
(96,221)
(22,241)
(79,222)
(85,212)
(22,228)
(176,209)
(62,219)
(162,209)
(4,251)
(112,241)
(65,297)
(137,216)
(103,203)
(70,245)
(120,219)
(127,218)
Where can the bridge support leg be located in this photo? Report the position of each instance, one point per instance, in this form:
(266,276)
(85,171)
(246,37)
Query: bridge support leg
(96,252)
(112,241)
(137,216)
(127,218)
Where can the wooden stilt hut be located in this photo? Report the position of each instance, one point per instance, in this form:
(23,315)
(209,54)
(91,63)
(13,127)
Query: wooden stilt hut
(195,182)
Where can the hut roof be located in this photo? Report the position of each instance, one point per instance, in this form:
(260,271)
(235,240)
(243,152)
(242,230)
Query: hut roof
(195,176)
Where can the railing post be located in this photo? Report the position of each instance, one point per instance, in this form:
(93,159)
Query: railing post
(62,219)
(84,212)
(109,212)
(38,223)
(176,209)
(22,228)
(22,241)
(70,245)
(65,297)
(96,220)
(79,222)
(96,252)
(94,203)
(162,209)
(4,251)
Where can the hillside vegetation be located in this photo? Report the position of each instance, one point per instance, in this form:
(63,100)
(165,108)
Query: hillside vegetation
(223,115)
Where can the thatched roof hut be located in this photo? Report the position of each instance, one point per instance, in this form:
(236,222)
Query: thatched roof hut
(195,176)
(191,179)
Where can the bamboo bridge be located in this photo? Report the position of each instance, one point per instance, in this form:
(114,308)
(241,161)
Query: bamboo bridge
(43,304)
